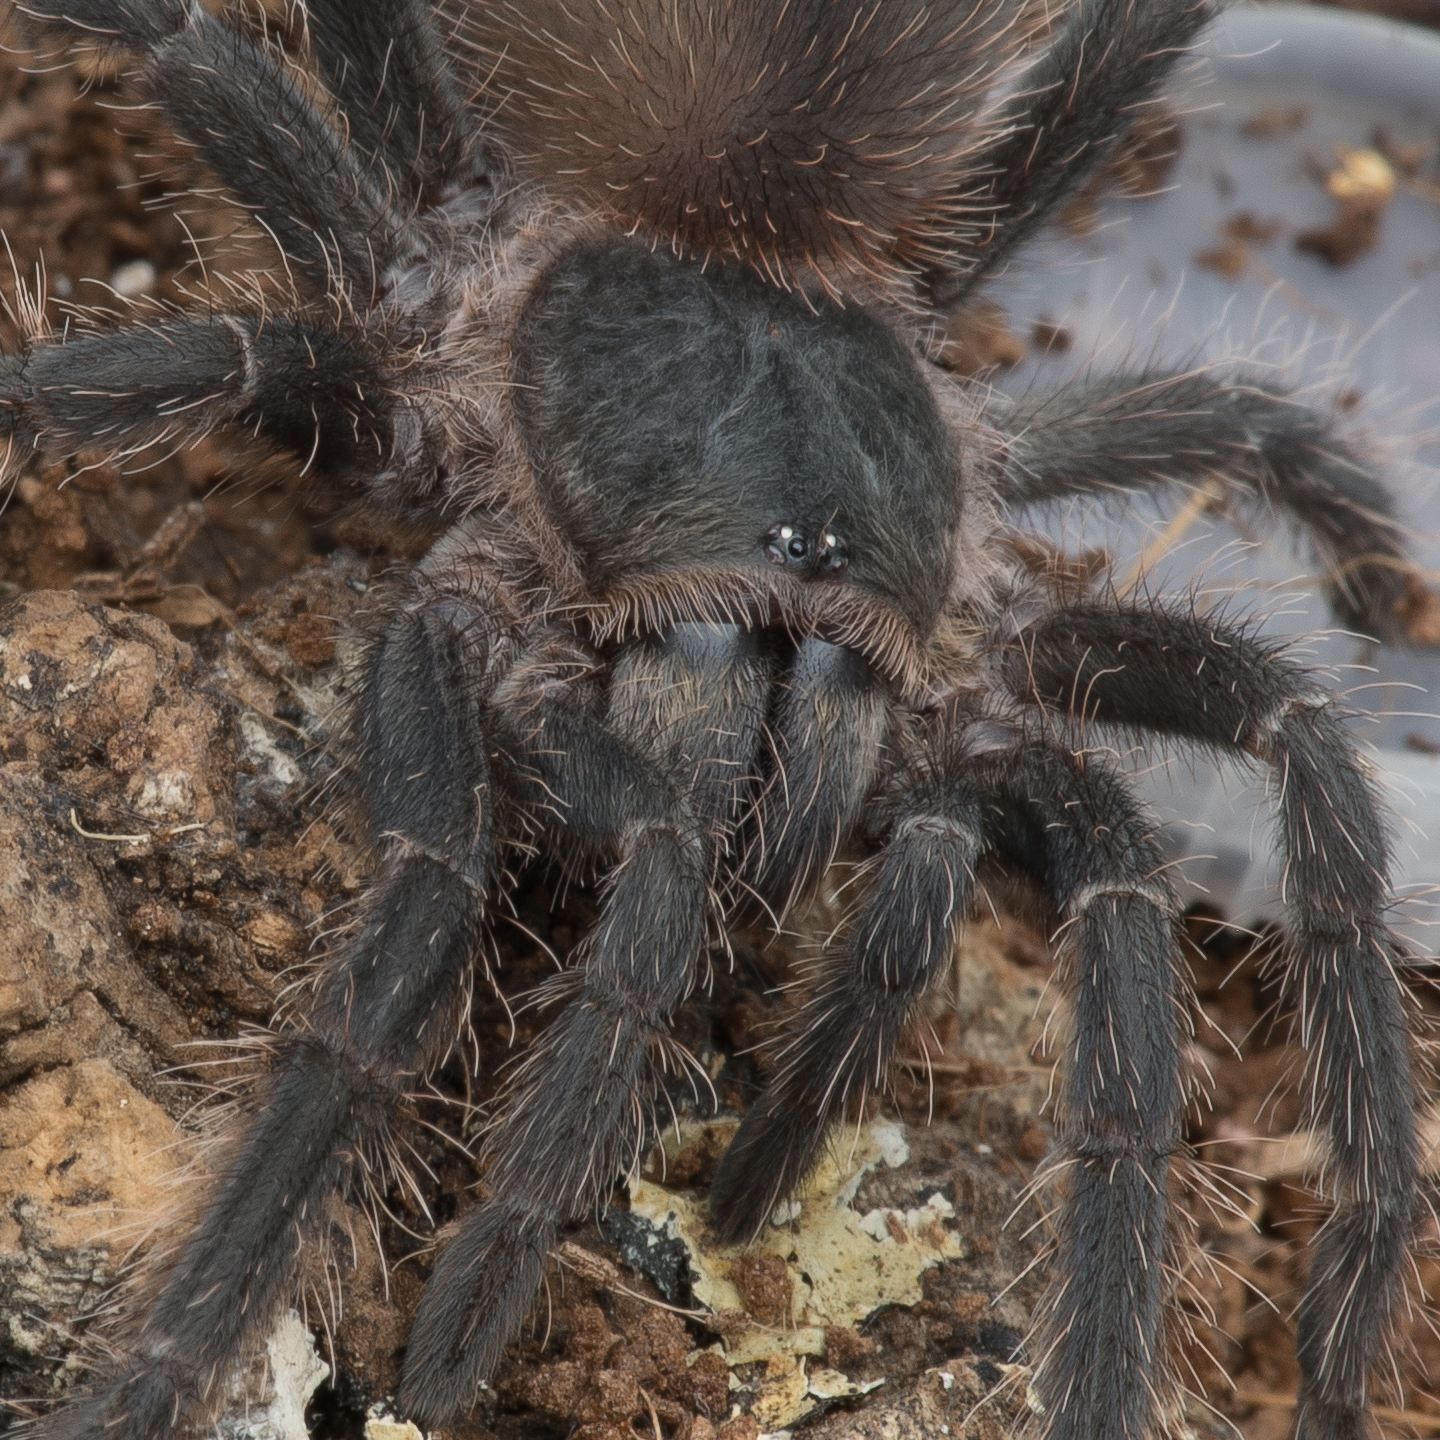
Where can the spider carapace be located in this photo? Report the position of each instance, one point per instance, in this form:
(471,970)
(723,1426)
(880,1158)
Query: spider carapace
(768,441)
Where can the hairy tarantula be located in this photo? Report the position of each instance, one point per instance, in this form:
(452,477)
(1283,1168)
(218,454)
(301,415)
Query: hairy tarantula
(728,588)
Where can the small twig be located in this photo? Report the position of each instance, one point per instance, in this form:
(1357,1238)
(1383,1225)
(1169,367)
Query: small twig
(661,1305)
(1430,1424)
(650,1406)
(284,725)
(1199,502)
(602,1273)
(168,834)
(169,541)
(96,835)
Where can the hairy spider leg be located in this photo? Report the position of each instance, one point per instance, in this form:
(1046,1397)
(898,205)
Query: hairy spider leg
(825,739)
(277,154)
(1212,684)
(1066,114)
(576,1110)
(301,386)
(387,1011)
(282,160)
(1251,439)
(922,888)
(1072,823)
(384,64)
(309,385)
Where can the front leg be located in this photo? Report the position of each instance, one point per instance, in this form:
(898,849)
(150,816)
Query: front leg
(387,1009)
(654,783)
(1216,686)
(1073,824)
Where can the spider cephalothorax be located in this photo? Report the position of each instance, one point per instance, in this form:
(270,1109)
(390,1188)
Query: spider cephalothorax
(714,448)
(725,590)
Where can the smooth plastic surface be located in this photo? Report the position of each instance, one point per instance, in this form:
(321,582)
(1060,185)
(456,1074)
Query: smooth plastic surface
(1280,90)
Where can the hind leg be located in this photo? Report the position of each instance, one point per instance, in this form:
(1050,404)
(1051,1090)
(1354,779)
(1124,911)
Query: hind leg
(235,101)
(384,63)
(1107,60)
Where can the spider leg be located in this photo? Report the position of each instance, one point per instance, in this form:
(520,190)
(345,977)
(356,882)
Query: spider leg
(1196,428)
(826,738)
(1072,823)
(387,1011)
(1212,684)
(307,388)
(577,1108)
(1108,60)
(1078,830)
(386,66)
(922,889)
(253,125)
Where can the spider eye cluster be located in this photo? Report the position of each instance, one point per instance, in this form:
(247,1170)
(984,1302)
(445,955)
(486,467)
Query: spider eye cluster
(820,553)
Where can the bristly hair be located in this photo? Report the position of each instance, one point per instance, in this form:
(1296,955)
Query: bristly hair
(823,136)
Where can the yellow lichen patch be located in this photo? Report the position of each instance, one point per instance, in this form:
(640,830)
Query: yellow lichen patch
(841,1265)
(382,1428)
(753,1345)
(784,1394)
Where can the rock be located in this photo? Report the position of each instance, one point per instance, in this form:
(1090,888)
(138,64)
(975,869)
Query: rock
(268,1402)
(83,1161)
(135,923)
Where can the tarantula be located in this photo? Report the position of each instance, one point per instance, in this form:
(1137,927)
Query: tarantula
(650,318)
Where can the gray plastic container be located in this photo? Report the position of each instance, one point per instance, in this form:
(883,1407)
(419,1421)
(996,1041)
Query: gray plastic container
(1363,338)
